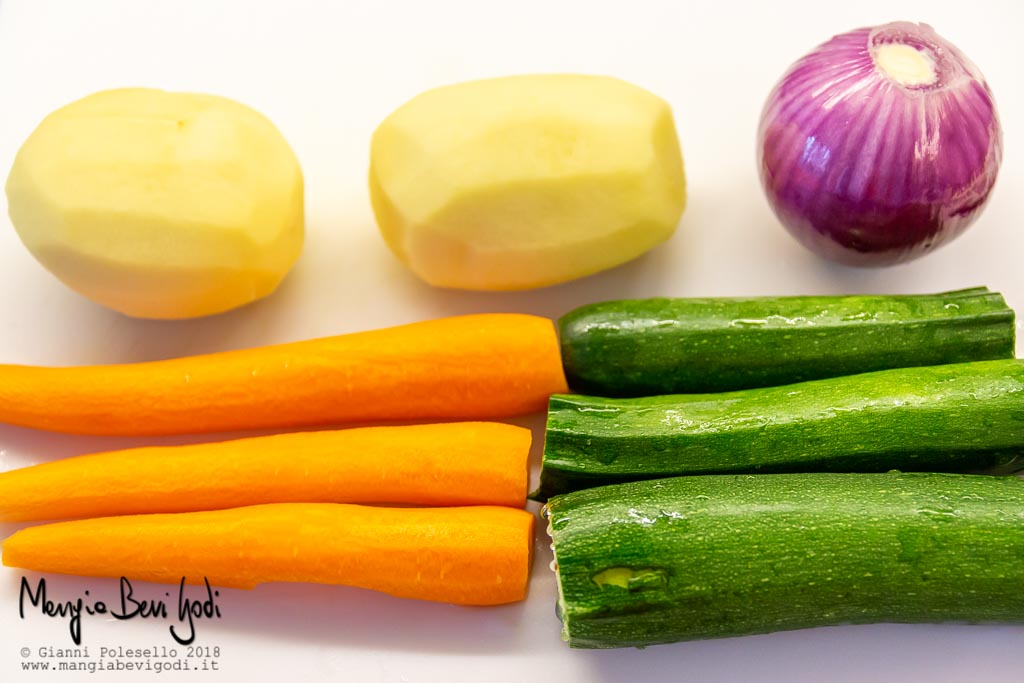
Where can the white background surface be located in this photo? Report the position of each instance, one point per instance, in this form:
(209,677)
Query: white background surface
(326,73)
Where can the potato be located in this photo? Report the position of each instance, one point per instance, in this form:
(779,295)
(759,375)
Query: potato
(157,204)
(521,182)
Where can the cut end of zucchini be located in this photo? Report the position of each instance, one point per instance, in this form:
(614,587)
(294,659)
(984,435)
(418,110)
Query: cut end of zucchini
(560,605)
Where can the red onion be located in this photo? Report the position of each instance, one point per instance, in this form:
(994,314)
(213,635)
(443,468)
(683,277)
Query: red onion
(880,145)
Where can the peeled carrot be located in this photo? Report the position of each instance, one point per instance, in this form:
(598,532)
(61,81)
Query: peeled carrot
(461,463)
(463,555)
(467,367)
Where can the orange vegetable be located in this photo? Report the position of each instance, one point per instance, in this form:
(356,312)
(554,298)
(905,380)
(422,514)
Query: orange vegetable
(464,555)
(468,367)
(461,463)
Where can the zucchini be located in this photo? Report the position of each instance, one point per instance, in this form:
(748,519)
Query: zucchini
(675,346)
(952,418)
(728,555)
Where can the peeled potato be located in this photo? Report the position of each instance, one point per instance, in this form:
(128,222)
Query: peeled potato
(527,181)
(158,204)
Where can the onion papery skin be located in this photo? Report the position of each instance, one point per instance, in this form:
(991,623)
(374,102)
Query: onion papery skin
(865,170)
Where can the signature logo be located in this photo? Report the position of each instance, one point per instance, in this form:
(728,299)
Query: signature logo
(127,607)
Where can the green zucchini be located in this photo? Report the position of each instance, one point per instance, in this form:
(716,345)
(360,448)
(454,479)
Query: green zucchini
(706,557)
(681,346)
(947,418)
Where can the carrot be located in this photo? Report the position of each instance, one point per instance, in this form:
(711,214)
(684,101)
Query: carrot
(467,367)
(462,463)
(464,555)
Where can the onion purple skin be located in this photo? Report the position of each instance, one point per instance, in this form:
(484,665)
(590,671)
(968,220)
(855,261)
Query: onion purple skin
(867,171)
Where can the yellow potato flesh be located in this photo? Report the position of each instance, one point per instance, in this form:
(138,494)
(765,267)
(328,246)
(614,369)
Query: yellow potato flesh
(527,181)
(160,205)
